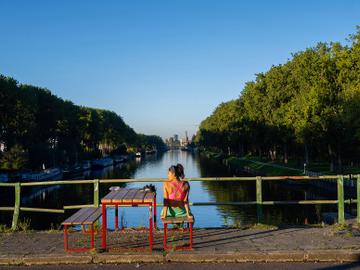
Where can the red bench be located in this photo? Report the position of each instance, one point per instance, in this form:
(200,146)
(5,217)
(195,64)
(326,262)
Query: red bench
(178,220)
(83,217)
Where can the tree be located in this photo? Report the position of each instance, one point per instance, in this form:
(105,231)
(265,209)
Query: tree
(14,159)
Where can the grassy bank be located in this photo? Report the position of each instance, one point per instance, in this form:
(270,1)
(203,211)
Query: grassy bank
(261,168)
(264,166)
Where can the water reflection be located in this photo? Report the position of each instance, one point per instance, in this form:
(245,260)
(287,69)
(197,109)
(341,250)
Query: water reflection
(156,166)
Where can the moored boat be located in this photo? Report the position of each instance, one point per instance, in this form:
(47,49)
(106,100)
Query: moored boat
(119,159)
(150,152)
(48,174)
(102,163)
(86,165)
(4,177)
(73,171)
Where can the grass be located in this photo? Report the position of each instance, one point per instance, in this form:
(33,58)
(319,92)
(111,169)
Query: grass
(270,168)
(23,226)
(261,226)
(4,228)
(261,168)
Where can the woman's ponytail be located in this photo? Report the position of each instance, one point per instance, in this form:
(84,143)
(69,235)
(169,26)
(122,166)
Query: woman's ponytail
(180,171)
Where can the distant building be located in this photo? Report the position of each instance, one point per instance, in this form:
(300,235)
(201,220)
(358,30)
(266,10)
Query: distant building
(173,142)
(185,141)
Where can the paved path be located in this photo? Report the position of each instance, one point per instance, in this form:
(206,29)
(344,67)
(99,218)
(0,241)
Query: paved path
(203,266)
(210,245)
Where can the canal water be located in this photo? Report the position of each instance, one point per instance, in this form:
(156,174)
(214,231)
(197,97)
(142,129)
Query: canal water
(156,166)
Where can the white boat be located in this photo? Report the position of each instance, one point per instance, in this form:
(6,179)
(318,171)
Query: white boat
(138,154)
(4,177)
(48,174)
(102,163)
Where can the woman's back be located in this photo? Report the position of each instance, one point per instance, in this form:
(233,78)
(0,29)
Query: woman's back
(176,193)
(177,190)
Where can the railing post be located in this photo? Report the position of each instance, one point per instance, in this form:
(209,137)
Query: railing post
(16,214)
(259,209)
(340,193)
(96,193)
(358,197)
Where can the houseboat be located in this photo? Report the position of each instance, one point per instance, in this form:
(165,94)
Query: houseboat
(4,177)
(102,163)
(48,174)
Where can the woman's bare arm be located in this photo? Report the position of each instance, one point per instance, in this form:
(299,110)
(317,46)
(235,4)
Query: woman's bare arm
(186,201)
(165,201)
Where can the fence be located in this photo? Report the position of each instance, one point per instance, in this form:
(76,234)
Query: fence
(258,202)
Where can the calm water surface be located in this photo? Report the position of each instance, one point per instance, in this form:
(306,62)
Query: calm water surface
(156,166)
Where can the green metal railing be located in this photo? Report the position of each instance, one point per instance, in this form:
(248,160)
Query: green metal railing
(259,200)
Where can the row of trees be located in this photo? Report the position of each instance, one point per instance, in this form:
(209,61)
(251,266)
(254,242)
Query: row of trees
(51,130)
(308,107)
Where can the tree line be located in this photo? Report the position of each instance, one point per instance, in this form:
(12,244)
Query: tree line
(307,109)
(41,128)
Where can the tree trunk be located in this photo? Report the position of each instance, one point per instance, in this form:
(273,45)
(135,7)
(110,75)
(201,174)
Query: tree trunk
(259,151)
(331,154)
(339,158)
(274,152)
(241,149)
(306,153)
(285,153)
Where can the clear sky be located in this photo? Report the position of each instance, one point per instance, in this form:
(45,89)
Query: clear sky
(162,65)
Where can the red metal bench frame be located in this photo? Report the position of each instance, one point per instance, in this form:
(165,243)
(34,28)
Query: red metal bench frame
(129,202)
(189,223)
(68,224)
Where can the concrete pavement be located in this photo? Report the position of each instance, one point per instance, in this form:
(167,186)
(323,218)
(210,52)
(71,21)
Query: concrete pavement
(221,245)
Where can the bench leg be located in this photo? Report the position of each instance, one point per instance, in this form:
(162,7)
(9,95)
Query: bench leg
(104,225)
(191,235)
(66,238)
(116,217)
(155,219)
(150,227)
(165,229)
(92,236)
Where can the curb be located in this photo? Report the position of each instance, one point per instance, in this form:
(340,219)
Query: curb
(128,258)
(43,260)
(188,257)
(273,256)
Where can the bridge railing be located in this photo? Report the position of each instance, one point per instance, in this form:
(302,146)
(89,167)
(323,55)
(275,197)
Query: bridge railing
(258,202)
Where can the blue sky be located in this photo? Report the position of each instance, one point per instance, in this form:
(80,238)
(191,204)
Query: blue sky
(162,65)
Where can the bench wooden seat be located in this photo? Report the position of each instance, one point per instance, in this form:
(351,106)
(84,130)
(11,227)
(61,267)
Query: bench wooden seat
(177,220)
(85,216)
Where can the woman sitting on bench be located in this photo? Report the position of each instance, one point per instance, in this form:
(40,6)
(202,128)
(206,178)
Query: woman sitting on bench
(176,194)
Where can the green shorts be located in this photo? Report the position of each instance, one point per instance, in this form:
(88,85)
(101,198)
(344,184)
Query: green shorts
(175,212)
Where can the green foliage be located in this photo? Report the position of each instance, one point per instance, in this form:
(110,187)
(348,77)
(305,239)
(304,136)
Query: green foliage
(24,225)
(310,102)
(53,130)
(15,159)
